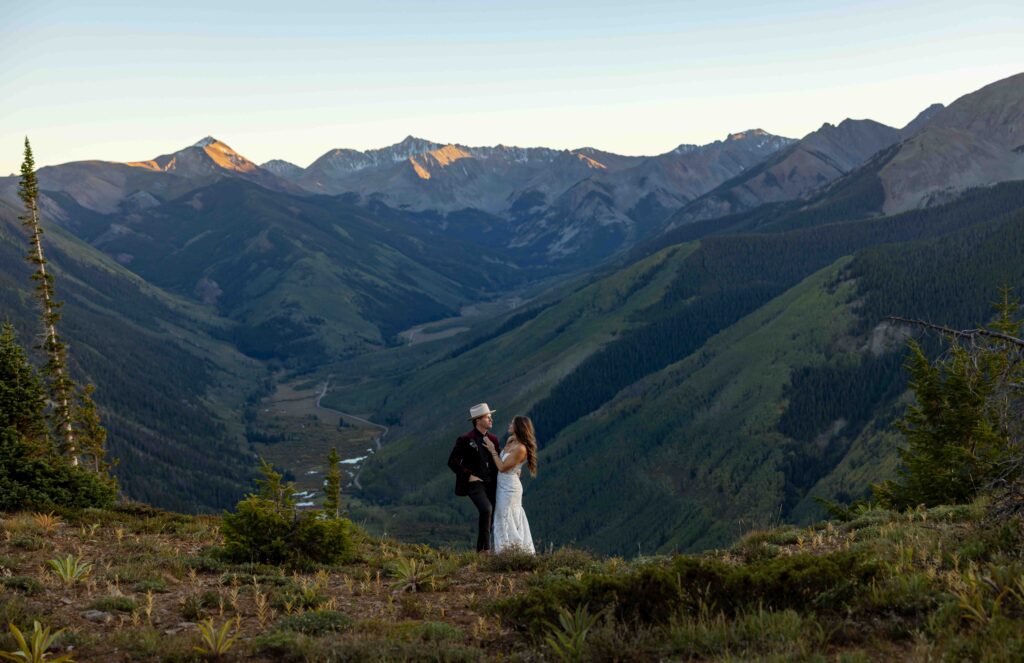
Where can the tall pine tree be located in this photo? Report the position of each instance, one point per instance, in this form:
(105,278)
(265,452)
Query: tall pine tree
(56,369)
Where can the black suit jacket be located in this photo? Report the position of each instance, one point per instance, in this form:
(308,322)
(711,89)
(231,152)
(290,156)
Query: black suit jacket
(469,457)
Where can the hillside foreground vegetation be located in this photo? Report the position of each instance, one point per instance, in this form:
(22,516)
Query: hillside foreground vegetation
(135,583)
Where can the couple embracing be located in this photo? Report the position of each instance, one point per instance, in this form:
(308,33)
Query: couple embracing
(489,475)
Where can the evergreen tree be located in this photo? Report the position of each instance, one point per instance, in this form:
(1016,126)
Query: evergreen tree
(266,528)
(22,396)
(32,473)
(56,370)
(92,436)
(332,485)
(963,431)
(275,490)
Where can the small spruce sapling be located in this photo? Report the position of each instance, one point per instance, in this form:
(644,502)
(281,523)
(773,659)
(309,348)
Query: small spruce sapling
(332,485)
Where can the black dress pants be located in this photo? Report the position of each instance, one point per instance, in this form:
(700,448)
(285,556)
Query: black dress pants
(483,494)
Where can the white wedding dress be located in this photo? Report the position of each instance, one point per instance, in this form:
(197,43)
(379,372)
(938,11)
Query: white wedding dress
(511,529)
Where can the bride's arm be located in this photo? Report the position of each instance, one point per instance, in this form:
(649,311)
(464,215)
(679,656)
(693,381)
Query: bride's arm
(514,458)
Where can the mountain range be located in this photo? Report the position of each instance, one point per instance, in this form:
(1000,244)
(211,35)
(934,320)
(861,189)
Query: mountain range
(699,328)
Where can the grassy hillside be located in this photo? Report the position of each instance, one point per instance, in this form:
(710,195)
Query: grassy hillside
(937,584)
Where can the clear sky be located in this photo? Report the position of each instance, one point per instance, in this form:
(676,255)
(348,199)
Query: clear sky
(127,81)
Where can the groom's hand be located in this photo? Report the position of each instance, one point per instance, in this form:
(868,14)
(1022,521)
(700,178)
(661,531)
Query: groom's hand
(473,477)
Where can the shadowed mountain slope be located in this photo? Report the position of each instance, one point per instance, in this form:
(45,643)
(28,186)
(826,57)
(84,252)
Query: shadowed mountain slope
(164,384)
(305,278)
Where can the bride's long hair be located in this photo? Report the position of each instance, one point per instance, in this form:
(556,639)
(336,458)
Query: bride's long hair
(522,428)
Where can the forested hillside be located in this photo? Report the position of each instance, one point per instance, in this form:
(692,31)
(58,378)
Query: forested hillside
(739,389)
(163,383)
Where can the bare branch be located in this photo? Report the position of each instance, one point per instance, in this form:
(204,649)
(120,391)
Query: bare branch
(966,333)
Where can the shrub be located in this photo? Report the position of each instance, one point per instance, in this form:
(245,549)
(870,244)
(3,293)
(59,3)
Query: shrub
(567,559)
(28,542)
(437,632)
(655,593)
(114,604)
(510,560)
(282,646)
(754,550)
(758,631)
(27,585)
(611,642)
(192,607)
(266,528)
(386,651)
(315,622)
(323,541)
(154,586)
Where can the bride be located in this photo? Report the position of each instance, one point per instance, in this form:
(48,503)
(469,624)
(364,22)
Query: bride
(511,529)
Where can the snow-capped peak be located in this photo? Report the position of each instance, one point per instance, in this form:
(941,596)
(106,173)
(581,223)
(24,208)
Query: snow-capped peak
(206,142)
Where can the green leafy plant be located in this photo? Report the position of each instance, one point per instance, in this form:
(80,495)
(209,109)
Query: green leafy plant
(411,575)
(71,569)
(568,638)
(48,522)
(218,641)
(192,606)
(306,596)
(34,649)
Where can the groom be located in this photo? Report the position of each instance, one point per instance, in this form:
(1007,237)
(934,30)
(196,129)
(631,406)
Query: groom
(475,474)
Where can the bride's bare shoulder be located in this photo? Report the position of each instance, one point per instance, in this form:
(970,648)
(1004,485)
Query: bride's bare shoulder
(512,445)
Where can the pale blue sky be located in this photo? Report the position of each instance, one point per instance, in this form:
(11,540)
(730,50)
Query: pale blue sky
(129,80)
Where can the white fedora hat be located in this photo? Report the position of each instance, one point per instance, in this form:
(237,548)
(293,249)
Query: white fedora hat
(479,410)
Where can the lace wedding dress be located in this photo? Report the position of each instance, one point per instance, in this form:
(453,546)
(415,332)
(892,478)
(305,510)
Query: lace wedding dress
(511,529)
